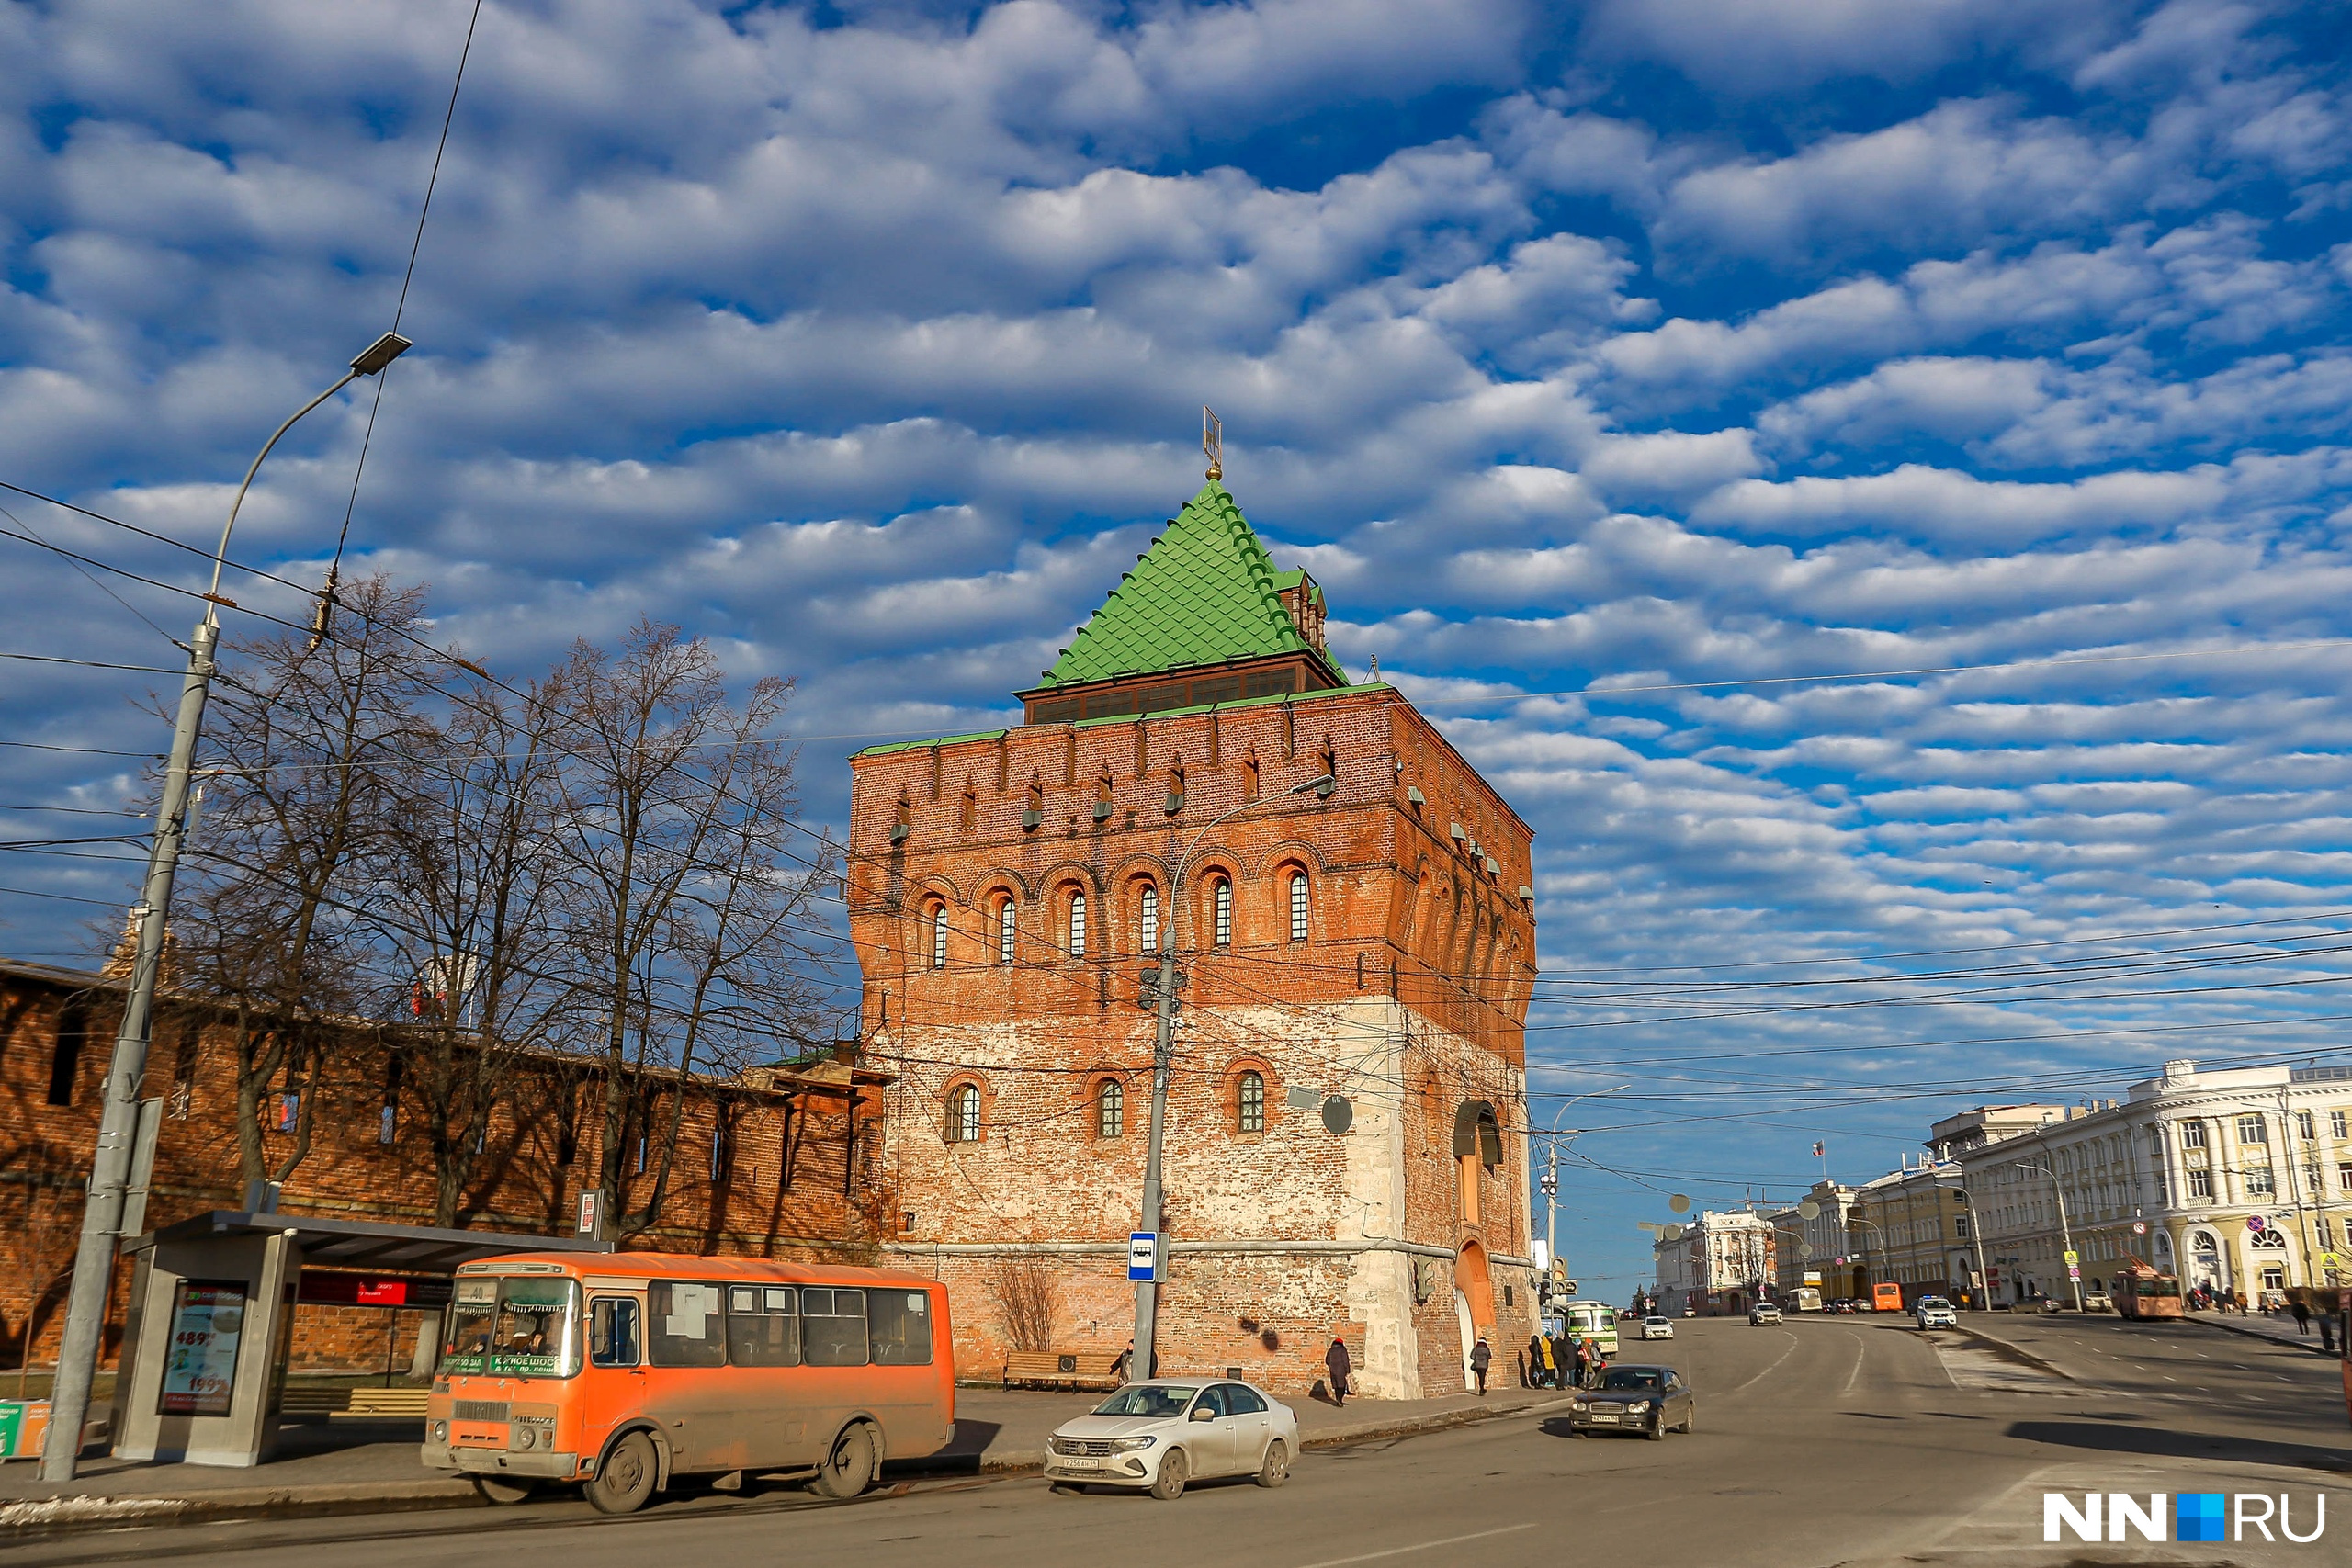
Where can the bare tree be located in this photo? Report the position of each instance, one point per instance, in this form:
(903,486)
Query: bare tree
(303,745)
(1023,1290)
(685,890)
(471,851)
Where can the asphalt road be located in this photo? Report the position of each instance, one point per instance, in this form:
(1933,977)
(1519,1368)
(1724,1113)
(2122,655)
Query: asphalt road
(1826,1440)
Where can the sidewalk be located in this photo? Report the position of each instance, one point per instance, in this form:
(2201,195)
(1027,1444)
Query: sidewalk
(357,1467)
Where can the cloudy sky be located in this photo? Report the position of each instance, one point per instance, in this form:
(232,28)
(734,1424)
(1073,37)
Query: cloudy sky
(1642,343)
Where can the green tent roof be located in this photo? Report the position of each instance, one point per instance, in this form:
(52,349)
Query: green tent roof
(1204,592)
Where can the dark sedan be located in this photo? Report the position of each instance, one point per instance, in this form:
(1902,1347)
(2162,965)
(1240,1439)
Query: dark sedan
(1648,1401)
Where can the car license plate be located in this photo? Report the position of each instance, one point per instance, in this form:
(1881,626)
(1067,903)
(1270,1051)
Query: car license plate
(1612,1419)
(1074,1463)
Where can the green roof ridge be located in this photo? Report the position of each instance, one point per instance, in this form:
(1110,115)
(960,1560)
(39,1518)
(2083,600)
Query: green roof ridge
(1204,591)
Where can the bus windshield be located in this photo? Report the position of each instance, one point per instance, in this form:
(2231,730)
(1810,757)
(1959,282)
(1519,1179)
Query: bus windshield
(514,1327)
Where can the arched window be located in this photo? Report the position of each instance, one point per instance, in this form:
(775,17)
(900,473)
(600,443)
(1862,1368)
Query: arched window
(1251,1106)
(964,1114)
(1110,1109)
(938,936)
(1078,923)
(1221,899)
(1298,906)
(1148,924)
(1006,927)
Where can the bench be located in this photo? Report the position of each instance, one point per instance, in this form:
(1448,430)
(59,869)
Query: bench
(366,1403)
(1061,1369)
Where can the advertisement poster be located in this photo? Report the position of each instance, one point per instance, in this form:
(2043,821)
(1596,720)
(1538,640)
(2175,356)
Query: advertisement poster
(207,1320)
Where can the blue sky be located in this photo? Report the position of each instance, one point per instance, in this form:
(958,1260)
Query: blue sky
(1628,344)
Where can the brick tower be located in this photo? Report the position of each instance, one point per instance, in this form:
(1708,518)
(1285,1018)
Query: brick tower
(1346,1146)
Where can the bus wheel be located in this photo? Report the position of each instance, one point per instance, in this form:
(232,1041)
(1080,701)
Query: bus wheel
(497,1490)
(624,1483)
(849,1469)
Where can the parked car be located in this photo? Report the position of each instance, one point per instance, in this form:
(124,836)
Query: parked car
(1690,1312)
(1162,1435)
(1650,1401)
(1657,1328)
(1934,1311)
(2097,1301)
(1762,1314)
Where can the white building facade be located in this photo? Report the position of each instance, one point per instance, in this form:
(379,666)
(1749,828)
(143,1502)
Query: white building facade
(1720,1264)
(2236,1180)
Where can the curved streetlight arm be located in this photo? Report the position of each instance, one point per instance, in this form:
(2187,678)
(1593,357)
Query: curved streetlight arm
(370,361)
(1176,879)
(2065,1231)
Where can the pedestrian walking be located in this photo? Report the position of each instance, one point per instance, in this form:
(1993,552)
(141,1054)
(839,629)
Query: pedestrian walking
(1592,1363)
(1337,1362)
(2302,1315)
(1125,1362)
(1548,1365)
(1562,1356)
(1576,1363)
(2327,1333)
(1481,1358)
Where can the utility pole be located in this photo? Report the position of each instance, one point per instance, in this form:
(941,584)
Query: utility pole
(1146,1360)
(77,1356)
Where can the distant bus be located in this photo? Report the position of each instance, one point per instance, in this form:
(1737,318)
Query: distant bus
(2143,1295)
(1596,1321)
(1886,1297)
(626,1372)
(1804,1298)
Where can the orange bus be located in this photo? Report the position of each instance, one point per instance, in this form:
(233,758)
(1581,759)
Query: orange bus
(624,1371)
(1886,1297)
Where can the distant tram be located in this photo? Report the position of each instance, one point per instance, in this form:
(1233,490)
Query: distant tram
(2144,1295)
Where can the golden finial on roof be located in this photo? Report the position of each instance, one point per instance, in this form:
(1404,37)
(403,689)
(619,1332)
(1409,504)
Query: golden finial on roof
(1213,441)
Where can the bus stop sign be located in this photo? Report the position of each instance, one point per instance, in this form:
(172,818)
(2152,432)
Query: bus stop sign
(1143,1256)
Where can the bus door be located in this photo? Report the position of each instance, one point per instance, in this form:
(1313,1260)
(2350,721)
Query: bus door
(614,1388)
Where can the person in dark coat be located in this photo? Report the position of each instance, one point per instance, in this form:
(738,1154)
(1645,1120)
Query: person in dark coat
(2302,1315)
(1337,1363)
(1481,1358)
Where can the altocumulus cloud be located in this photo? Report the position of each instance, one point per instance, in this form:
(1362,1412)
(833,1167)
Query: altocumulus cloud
(1656,342)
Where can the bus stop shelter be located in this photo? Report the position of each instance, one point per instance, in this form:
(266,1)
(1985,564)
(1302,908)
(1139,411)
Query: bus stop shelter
(210,1323)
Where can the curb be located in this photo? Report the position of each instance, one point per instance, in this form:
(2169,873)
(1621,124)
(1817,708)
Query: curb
(1403,1426)
(37,1518)
(2248,1331)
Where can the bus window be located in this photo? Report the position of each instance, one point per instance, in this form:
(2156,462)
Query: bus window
(612,1332)
(687,1329)
(762,1326)
(900,1322)
(832,1326)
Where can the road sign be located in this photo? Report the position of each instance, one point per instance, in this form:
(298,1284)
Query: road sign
(1143,1254)
(2139,1227)
(2072,1272)
(2073,1258)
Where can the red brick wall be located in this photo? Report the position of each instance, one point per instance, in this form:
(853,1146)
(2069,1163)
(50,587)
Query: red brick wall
(45,1153)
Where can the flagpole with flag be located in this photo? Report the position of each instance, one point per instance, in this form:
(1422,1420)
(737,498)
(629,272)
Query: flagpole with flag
(1821,1153)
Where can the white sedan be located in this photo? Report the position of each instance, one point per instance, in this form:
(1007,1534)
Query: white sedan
(1162,1435)
(1657,1328)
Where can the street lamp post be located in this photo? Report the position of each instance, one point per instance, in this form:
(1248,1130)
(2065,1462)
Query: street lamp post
(1552,1174)
(2065,1232)
(77,1355)
(1853,1220)
(1163,1045)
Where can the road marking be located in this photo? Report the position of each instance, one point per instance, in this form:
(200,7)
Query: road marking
(1424,1546)
(1769,1371)
(1859,1350)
